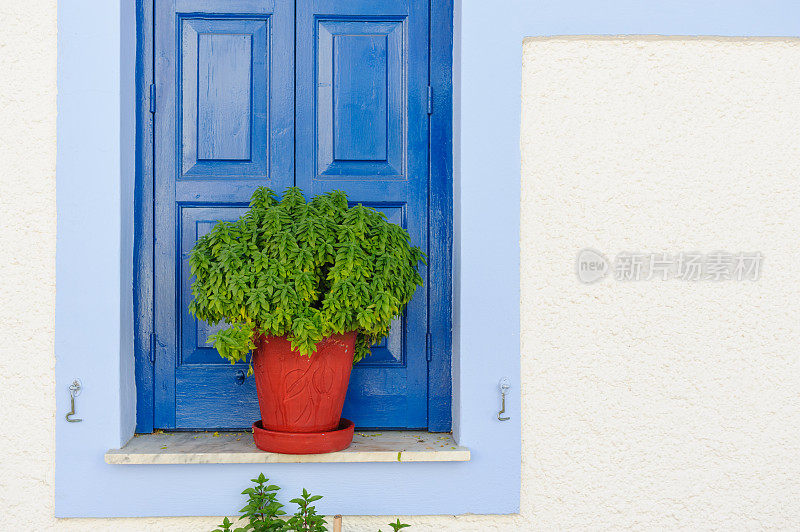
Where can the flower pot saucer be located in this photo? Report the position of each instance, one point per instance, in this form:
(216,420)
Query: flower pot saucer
(274,441)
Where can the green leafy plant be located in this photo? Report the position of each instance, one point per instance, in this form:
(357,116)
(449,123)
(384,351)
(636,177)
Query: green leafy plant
(305,270)
(397,526)
(306,518)
(263,512)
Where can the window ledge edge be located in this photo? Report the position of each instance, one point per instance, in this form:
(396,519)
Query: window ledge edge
(239,448)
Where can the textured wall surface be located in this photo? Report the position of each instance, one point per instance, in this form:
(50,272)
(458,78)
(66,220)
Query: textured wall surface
(660,403)
(645,404)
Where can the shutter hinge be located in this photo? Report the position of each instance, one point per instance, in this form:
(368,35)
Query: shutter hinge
(152,97)
(428,347)
(151,355)
(430,100)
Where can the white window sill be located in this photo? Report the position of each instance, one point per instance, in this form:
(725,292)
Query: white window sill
(238,448)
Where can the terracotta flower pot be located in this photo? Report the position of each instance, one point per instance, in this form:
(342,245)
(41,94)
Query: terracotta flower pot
(303,394)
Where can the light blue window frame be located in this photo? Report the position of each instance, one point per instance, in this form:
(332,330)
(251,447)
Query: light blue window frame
(94,264)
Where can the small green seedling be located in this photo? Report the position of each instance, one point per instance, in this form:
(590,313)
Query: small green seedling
(263,512)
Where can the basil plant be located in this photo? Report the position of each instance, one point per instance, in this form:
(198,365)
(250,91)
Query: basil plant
(305,270)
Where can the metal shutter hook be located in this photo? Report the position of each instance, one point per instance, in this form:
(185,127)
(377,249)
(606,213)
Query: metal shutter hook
(74,391)
(504,387)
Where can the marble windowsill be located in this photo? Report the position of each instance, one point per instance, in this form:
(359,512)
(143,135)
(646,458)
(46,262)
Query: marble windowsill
(238,448)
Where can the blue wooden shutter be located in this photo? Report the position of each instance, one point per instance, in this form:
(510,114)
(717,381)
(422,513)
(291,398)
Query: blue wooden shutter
(224,126)
(362,127)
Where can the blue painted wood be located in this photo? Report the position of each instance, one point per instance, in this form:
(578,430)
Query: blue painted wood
(224,125)
(223,93)
(440,251)
(360,96)
(198,404)
(362,127)
(224,98)
(390,350)
(195,221)
(143,221)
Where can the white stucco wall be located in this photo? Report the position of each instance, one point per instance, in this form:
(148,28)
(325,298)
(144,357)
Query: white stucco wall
(645,404)
(661,404)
